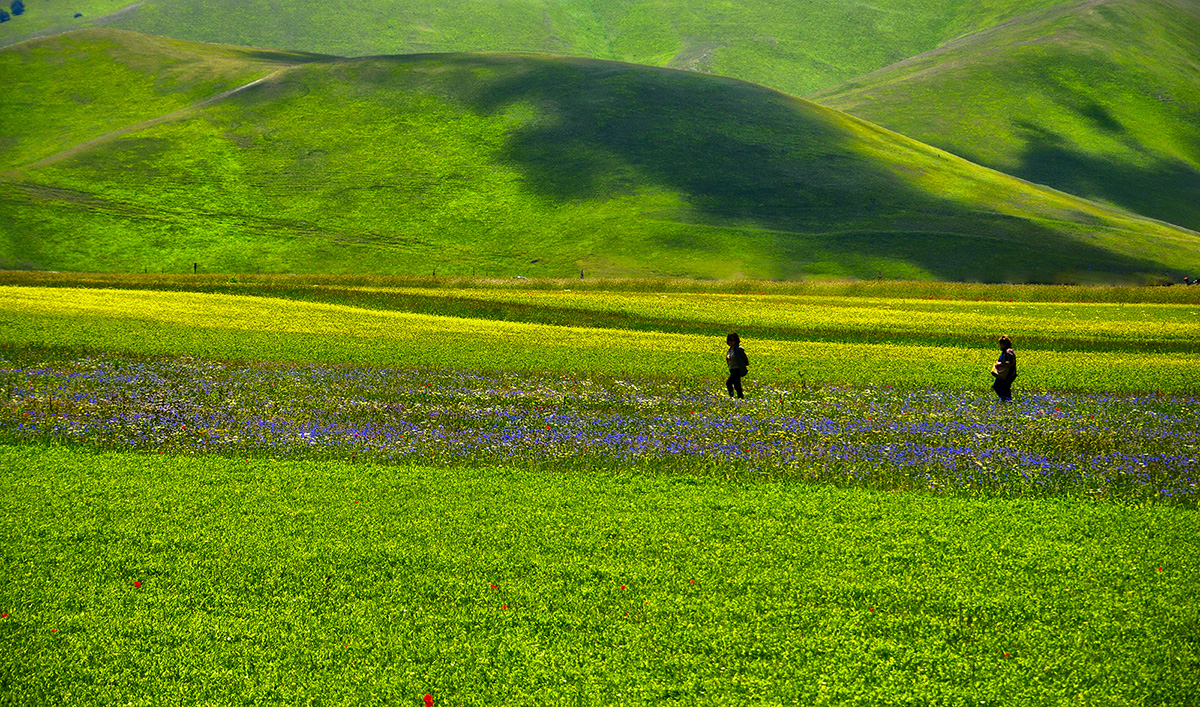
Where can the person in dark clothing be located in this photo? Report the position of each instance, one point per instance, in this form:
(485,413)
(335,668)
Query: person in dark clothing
(738,364)
(1005,370)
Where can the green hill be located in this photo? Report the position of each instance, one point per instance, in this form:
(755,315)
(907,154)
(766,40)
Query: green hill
(516,164)
(1099,99)
(791,46)
(63,92)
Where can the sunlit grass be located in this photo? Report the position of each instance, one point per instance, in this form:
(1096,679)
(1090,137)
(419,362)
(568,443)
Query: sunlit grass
(254,328)
(487,510)
(362,286)
(149,579)
(1106,108)
(793,48)
(519,165)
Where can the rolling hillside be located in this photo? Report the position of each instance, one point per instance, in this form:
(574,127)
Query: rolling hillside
(793,47)
(1099,98)
(62,92)
(511,164)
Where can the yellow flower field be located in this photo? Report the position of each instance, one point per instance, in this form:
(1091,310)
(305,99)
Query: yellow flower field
(239,327)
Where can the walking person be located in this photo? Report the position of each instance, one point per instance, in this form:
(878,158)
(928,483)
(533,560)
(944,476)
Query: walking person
(1005,370)
(738,365)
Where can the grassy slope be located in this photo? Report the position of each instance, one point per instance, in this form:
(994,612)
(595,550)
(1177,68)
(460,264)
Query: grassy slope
(524,165)
(226,327)
(70,89)
(354,584)
(1109,102)
(795,47)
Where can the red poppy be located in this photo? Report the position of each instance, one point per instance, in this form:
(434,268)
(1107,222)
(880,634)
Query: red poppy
(493,586)
(428,700)
(4,615)
(137,584)
(504,606)
(622,586)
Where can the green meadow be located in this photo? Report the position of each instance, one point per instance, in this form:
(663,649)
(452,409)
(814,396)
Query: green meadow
(340,583)
(945,345)
(794,48)
(374,353)
(179,575)
(1109,98)
(384,291)
(509,165)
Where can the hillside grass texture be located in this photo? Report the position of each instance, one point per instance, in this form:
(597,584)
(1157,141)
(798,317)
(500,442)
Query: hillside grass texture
(796,48)
(64,92)
(1109,103)
(539,166)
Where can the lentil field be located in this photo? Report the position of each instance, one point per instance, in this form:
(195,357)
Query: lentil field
(246,499)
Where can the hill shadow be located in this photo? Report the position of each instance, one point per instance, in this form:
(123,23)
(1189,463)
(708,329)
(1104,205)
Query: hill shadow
(608,130)
(743,155)
(1168,190)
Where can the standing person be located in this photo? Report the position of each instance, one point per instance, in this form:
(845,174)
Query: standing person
(1005,370)
(738,364)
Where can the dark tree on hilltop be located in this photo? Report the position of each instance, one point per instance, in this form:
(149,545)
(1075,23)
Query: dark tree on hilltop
(4,16)
(18,7)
